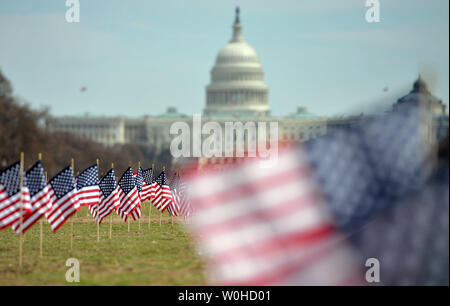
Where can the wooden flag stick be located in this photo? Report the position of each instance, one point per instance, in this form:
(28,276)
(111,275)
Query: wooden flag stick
(98,208)
(110,218)
(41,238)
(71,220)
(21,209)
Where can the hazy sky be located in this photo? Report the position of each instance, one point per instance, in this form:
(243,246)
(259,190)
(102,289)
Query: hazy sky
(139,57)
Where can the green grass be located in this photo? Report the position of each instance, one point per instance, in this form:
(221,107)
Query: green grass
(156,255)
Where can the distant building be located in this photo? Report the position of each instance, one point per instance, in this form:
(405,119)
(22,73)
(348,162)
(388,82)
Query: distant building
(434,110)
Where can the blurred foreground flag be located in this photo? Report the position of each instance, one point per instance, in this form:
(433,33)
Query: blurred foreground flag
(268,226)
(387,187)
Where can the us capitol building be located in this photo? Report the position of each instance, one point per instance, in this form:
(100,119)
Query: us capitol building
(237,92)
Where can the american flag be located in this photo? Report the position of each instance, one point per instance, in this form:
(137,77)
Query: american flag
(174,207)
(147,185)
(364,192)
(87,186)
(268,226)
(64,196)
(384,194)
(163,196)
(39,197)
(128,194)
(109,195)
(10,195)
(139,179)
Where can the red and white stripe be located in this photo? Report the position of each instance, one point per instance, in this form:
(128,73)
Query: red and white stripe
(175,204)
(41,203)
(107,205)
(185,205)
(162,196)
(89,195)
(62,209)
(146,192)
(136,212)
(268,226)
(10,206)
(93,211)
(127,202)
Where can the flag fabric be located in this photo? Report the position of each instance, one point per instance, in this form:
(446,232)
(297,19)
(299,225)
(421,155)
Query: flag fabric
(153,188)
(64,197)
(39,197)
(128,194)
(139,179)
(109,196)
(147,185)
(369,191)
(374,164)
(174,207)
(12,198)
(384,193)
(185,203)
(93,211)
(87,186)
(162,194)
(268,226)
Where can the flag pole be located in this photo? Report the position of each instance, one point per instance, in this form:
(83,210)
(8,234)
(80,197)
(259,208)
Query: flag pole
(41,221)
(110,215)
(21,209)
(151,200)
(139,220)
(98,207)
(71,220)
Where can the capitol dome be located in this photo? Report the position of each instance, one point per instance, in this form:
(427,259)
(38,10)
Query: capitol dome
(237,85)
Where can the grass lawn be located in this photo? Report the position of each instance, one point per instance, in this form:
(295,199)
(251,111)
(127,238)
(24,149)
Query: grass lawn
(156,255)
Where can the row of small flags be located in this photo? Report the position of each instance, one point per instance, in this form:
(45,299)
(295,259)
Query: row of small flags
(24,199)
